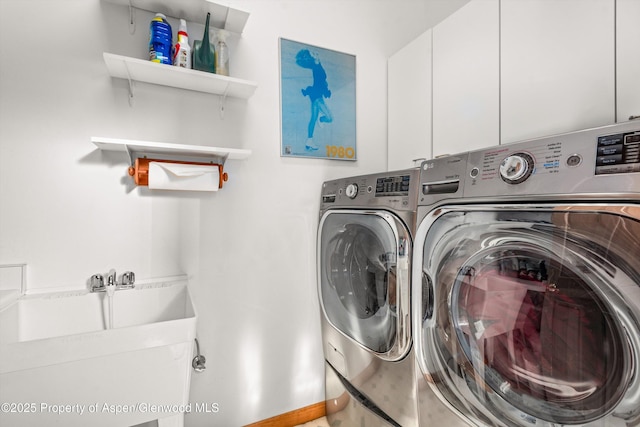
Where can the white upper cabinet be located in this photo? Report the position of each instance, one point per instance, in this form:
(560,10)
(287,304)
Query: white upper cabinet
(509,70)
(557,66)
(409,104)
(628,59)
(466,79)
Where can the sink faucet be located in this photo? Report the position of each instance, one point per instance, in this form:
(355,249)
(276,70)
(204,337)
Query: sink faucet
(97,281)
(111,278)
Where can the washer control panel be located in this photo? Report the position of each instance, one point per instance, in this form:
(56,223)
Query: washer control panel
(516,168)
(618,153)
(592,161)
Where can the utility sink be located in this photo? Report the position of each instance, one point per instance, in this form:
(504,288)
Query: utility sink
(60,364)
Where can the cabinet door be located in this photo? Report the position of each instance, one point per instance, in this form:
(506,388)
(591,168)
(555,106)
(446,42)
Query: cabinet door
(628,59)
(557,66)
(409,103)
(466,79)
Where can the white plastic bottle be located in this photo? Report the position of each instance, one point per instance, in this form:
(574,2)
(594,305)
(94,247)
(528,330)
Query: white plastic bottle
(182,56)
(222,53)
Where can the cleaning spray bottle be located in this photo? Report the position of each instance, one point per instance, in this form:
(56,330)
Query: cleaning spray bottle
(204,58)
(182,56)
(222,52)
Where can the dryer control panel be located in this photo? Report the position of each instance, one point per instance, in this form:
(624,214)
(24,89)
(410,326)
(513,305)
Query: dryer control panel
(397,185)
(394,190)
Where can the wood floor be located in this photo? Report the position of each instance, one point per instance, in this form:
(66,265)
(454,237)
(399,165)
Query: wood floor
(309,416)
(320,422)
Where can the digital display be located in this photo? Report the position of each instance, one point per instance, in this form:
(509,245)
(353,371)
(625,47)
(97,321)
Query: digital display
(618,153)
(393,186)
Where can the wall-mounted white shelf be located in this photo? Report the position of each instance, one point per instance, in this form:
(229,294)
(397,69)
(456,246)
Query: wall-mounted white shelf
(141,148)
(144,154)
(222,17)
(134,69)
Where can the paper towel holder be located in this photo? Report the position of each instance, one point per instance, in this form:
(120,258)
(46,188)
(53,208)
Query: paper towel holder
(140,170)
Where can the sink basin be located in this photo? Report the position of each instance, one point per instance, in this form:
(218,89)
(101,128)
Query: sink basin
(57,355)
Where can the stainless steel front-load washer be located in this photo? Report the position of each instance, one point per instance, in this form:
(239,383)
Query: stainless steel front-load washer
(526,279)
(365,239)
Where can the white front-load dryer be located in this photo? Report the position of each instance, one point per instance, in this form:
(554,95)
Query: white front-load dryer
(527,283)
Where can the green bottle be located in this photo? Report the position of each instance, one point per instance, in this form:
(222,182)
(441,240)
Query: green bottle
(204,57)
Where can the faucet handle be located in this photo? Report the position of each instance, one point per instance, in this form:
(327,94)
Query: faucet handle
(128,278)
(96,282)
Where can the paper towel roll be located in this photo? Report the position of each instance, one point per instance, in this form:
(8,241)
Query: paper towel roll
(176,176)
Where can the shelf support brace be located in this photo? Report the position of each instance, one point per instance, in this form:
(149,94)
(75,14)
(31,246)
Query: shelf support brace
(130,84)
(132,19)
(129,154)
(223,101)
(223,158)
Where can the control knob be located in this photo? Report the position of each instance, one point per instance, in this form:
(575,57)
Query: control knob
(516,168)
(351,191)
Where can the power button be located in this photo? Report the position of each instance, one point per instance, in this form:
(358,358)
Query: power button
(574,160)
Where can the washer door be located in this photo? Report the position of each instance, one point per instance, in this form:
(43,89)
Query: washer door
(364,279)
(534,316)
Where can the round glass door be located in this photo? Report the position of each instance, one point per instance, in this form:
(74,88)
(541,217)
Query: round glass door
(528,311)
(359,273)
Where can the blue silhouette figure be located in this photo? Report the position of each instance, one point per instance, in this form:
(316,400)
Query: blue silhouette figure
(316,93)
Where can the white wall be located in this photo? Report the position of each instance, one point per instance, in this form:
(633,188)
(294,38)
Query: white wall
(257,239)
(69,210)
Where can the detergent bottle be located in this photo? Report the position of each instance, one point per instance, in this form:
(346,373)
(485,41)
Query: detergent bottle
(160,38)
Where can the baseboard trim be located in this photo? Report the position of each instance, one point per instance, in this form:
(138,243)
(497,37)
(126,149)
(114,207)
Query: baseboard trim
(295,417)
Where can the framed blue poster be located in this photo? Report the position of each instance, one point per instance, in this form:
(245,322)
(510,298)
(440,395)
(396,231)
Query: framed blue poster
(317,102)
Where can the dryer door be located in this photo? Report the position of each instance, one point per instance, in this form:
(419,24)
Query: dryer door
(364,282)
(534,315)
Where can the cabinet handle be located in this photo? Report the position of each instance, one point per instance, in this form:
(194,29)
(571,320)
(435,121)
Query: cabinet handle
(634,117)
